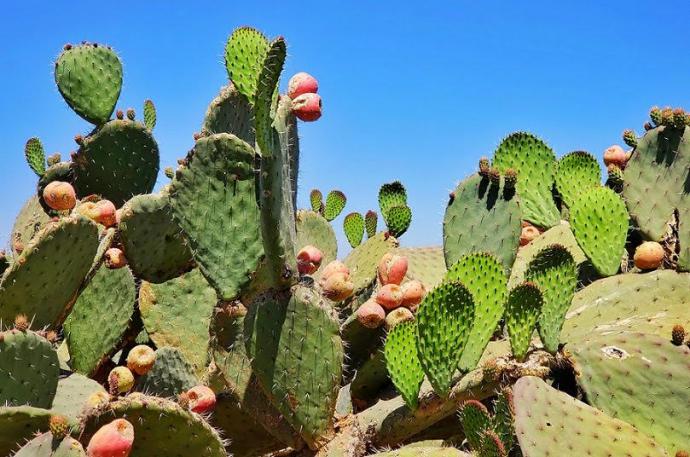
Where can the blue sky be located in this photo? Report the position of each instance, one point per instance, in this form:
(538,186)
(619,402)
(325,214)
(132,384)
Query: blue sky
(412,91)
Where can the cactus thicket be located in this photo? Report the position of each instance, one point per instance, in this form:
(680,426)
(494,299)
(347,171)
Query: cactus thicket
(493,344)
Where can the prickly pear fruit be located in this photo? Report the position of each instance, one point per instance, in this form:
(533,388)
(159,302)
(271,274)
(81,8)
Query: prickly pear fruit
(60,196)
(199,399)
(615,155)
(528,234)
(302,83)
(338,287)
(59,426)
(397,316)
(307,107)
(335,266)
(106,213)
(140,359)
(115,258)
(678,334)
(120,380)
(413,293)
(371,314)
(309,260)
(392,269)
(112,440)
(97,399)
(649,255)
(21,323)
(389,296)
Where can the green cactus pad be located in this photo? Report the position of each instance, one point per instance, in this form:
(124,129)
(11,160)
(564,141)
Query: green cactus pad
(641,379)
(178,313)
(561,235)
(45,445)
(170,376)
(491,445)
(390,195)
(482,217)
(403,362)
(89,78)
(370,223)
(316,200)
(230,112)
(72,393)
(656,185)
(650,303)
(244,56)
(150,114)
(373,374)
(504,417)
(398,219)
(576,173)
(615,179)
(335,203)
(61,171)
(426,265)
(313,229)
(19,424)
(600,224)
(475,422)
(353,226)
(100,316)
(524,306)
(58,258)
(161,427)
(549,422)
(29,369)
(35,156)
(444,323)
(363,260)
(535,164)
(30,220)
(214,201)
(554,271)
(117,161)
(423,451)
(483,276)
(296,352)
(153,242)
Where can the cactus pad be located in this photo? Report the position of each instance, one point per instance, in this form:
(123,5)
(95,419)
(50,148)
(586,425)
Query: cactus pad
(600,224)
(475,422)
(483,276)
(230,112)
(398,219)
(554,271)
(403,363)
(89,78)
(316,200)
(335,203)
(178,313)
(29,369)
(482,217)
(58,258)
(549,422)
(313,229)
(149,114)
(370,223)
(45,445)
(390,195)
(576,173)
(161,427)
(35,156)
(425,265)
(444,323)
(535,164)
(244,56)
(353,226)
(19,424)
(153,242)
(30,220)
(72,393)
(524,306)
(363,260)
(170,376)
(214,200)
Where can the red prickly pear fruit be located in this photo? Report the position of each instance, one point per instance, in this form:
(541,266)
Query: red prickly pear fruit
(115,258)
(389,296)
(413,293)
(649,255)
(302,83)
(397,316)
(528,234)
(392,269)
(60,196)
(106,213)
(309,260)
(112,440)
(333,267)
(307,107)
(200,399)
(615,155)
(338,287)
(141,359)
(120,380)
(371,314)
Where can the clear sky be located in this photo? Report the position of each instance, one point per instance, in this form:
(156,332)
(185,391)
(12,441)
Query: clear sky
(415,91)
